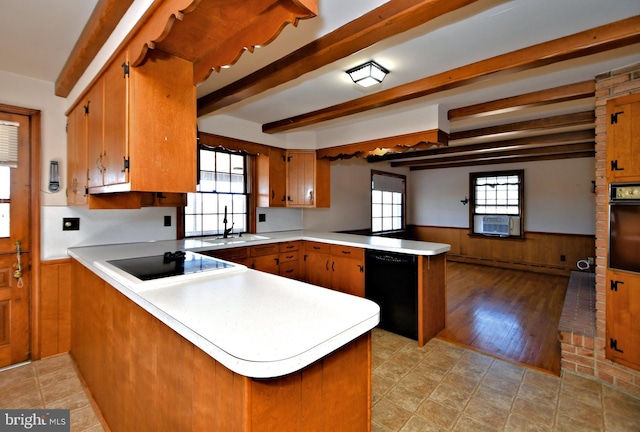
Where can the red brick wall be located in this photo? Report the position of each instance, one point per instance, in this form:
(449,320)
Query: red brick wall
(610,85)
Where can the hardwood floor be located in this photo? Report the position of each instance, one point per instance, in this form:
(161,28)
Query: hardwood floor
(510,314)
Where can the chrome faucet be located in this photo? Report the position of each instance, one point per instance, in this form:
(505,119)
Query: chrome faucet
(226,232)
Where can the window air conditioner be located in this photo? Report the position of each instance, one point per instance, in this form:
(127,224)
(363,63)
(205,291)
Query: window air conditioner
(498,225)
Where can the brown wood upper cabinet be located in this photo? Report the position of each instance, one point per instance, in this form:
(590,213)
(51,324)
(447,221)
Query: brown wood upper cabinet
(307,179)
(77,156)
(272,171)
(293,178)
(140,131)
(623,138)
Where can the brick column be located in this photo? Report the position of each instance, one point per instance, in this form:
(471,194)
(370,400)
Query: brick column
(610,85)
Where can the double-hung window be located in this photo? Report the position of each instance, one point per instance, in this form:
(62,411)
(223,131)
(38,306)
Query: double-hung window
(387,202)
(497,203)
(221,196)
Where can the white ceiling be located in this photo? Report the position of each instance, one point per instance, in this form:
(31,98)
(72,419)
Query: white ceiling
(36,36)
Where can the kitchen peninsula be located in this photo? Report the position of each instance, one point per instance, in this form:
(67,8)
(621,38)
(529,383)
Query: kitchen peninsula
(233,350)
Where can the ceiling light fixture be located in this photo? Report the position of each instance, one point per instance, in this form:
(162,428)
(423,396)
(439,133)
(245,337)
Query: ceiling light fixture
(368,74)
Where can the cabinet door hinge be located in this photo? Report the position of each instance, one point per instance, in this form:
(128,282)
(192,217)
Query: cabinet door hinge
(126,164)
(613,285)
(125,69)
(613,344)
(615,167)
(614,117)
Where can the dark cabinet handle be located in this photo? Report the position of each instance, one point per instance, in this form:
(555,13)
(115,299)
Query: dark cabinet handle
(277,261)
(289,256)
(333,263)
(273,194)
(346,252)
(316,247)
(327,265)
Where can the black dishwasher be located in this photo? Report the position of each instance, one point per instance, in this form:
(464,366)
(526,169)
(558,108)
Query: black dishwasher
(391,280)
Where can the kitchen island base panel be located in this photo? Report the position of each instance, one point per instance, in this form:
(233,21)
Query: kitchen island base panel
(144,376)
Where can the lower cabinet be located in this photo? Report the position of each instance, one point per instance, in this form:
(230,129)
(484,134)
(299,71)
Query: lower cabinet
(334,266)
(330,266)
(623,310)
(275,258)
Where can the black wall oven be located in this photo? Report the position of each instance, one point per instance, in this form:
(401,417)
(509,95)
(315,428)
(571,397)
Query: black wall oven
(624,227)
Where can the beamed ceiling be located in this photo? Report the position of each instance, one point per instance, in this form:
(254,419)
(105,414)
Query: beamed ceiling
(512,79)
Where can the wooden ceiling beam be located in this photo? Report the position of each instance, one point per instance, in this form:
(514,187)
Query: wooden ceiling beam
(503,160)
(435,137)
(391,18)
(509,153)
(607,37)
(565,120)
(103,20)
(554,95)
(584,135)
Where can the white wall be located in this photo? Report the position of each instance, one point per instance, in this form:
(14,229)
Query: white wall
(558,195)
(350,197)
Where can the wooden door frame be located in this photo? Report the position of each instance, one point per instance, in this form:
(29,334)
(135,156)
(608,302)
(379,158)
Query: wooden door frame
(34,224)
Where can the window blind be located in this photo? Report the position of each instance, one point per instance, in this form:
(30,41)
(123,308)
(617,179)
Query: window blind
(9,144)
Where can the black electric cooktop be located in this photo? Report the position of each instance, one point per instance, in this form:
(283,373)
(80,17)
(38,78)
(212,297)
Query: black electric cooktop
(170,264)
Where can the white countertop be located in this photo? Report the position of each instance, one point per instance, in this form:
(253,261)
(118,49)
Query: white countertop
(256,324)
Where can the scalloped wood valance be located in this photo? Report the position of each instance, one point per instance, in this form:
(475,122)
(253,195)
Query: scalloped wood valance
(395,144)
(214,33)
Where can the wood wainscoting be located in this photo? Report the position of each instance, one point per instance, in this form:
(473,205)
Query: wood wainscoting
(55,307)
(537,252)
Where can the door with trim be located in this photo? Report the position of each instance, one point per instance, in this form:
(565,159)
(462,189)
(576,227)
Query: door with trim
(15,286)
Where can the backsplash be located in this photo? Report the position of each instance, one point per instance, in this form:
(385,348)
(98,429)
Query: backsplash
(99,227)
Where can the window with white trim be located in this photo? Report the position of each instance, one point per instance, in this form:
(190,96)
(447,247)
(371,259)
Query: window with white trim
(221,194)
(497,203)
(387,202)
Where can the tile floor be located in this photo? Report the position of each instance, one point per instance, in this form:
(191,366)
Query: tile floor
(440,387)
(49,383)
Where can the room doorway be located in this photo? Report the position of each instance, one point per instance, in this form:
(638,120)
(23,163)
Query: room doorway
(15,236)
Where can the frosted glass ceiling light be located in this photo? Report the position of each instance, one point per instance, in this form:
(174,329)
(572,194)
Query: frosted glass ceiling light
(368,74)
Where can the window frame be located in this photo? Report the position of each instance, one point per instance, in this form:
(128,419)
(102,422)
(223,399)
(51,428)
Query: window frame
(247,193)
(473,176)
(403,221)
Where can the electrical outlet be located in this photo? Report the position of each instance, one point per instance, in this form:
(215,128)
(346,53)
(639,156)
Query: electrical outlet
(167,221)
(563,258)
(262,217)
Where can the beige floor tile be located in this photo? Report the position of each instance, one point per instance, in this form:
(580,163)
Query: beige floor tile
(539,395)
(416,424)
(406,399)
(467,424)
(61,389)
(392,370)
(465,383)
(451,397)
(83,419)
(581,411)
(498,397)
(419,383)
(518,423)
(534,412)
(569,424)
(389,415)
(438,414)
(484,412)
